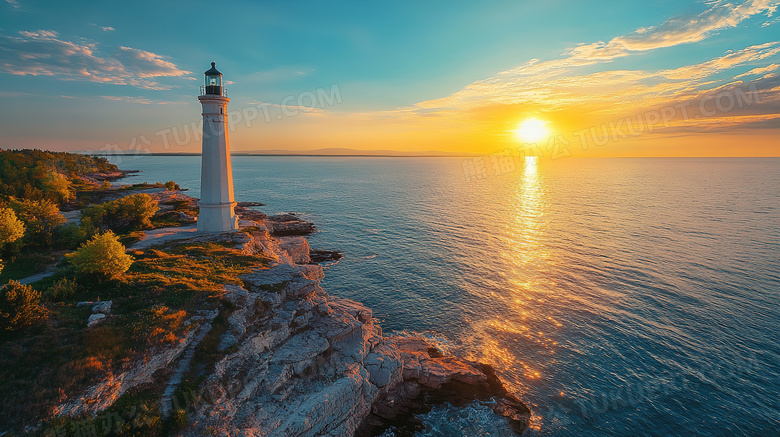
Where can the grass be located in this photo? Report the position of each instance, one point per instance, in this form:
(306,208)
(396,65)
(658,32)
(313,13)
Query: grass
(135,413)
(88,194)
(130,238)
(152,301)
(29,263)
(171,218)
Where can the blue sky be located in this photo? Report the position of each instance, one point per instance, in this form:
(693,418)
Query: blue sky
(80,75)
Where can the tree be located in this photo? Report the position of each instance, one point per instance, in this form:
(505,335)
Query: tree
(56,186)
(132,212)
(39,174)
(40,217)
(103,255)
(138,209)
(11,228)
(20,306)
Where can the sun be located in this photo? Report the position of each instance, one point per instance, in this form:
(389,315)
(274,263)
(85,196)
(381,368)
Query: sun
(532,130)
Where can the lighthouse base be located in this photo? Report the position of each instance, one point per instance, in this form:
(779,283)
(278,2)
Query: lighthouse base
(217,217)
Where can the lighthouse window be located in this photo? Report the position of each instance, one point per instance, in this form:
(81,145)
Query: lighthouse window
(220,110)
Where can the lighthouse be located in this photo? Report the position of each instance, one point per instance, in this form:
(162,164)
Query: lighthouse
(216,175)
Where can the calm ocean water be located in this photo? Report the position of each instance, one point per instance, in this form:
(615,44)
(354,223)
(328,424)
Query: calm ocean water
(614,296)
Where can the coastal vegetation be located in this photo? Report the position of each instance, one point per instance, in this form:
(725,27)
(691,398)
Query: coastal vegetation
(19,306)
(152,291)
(152,298)
(38,189)
(55,176)
(103,255)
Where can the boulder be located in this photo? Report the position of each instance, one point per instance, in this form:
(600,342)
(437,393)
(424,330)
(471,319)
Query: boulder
(102,307)
(288,224)
(94,319)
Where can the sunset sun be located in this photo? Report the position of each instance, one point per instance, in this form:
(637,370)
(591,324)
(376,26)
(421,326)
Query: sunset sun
(532,130)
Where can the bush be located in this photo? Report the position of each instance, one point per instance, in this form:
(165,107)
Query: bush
(40,217)
(72,235)
(171,186)
(103,255)
(133,212)
(56,187)
(62,290)
(11,228)
(20,306)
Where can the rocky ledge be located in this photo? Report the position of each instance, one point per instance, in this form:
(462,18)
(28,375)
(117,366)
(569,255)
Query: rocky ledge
(302,362)
(299,362)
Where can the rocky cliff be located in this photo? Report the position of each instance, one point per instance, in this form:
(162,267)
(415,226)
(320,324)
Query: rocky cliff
(296,361)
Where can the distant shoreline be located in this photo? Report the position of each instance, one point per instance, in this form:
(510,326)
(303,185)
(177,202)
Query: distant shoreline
(290,154)
(359,155)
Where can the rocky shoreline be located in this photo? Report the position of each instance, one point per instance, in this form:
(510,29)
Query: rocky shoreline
(296,361)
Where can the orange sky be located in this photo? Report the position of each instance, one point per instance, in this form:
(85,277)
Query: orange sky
(697,79)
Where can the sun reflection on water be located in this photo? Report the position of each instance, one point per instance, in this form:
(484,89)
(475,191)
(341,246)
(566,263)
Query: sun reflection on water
(526,320)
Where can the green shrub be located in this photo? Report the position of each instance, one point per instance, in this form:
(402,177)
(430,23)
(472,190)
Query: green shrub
(133,212)
(11,228)
(20,306)
(73,235)
(56,187)
(40,217)
(103,255)
(62,290)
(171,186)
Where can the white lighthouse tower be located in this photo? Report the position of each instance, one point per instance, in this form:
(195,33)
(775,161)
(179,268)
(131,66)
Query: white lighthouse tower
(216,176)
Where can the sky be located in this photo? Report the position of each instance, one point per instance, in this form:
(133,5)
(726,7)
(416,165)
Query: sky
(596,78)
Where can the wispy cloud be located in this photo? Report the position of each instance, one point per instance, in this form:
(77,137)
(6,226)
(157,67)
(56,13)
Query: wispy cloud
(675,31)
(138,100)
(759,71)
(107,28)
(44,53)
(14,4)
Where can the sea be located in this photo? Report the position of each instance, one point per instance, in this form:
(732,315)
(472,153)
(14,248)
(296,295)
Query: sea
(614,296)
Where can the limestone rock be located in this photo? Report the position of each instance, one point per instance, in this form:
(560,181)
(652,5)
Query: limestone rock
(288,224)
(94,319)
(297,247)
(320,256)
(103,307)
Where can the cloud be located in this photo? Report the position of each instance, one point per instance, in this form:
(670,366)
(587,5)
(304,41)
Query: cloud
(561,84)
(107,28)
(759,71)
(14,4)
(553,89)
(675,31)
(44,53)
(139,100)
